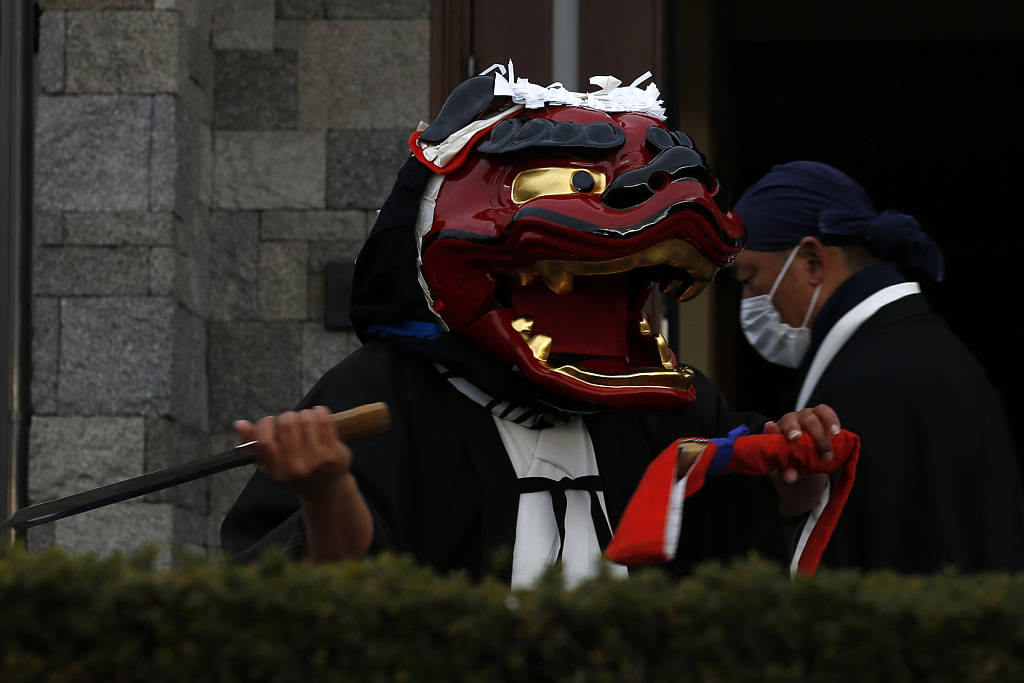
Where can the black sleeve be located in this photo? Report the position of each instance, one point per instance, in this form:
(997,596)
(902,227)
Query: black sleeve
(267,514)
(709,416)
(937,482)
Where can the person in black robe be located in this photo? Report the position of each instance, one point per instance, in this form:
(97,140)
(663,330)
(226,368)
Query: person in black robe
(440,487)
(440,484)
(827,288)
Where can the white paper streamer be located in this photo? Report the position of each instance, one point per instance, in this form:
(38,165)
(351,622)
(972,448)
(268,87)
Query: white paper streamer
(609,97)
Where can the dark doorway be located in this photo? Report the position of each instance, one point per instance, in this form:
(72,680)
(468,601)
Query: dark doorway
(927,116)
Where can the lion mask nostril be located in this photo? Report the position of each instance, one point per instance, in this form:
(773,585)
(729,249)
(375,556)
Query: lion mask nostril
(626,196)
(658,181)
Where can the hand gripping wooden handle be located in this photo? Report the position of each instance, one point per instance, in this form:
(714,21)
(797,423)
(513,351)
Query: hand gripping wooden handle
(359,422)
(362,421)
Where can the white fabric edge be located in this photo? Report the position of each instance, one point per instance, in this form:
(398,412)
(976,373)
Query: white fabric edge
(424,221)
(845,328)
(441,153)
(812,520)
(674,521)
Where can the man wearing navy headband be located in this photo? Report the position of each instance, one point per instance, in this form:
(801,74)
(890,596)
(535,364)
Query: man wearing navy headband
(828,286)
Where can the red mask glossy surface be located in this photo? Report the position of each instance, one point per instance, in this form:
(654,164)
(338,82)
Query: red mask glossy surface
(489,261)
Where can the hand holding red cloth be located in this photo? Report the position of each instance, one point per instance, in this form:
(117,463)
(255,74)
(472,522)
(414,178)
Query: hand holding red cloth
(640,537)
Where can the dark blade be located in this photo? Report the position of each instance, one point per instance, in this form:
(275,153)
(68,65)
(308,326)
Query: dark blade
(74,504)
(355,423)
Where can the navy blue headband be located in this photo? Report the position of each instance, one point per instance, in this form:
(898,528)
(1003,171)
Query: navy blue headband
(810,199)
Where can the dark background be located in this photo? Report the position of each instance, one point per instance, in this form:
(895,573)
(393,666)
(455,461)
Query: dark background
(924,107)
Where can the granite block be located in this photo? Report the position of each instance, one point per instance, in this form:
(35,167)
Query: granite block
(198,20)
(98,271)
(52,29)
(68,454)
(192,267)
(364,74)
(286,35)
(362,165)
(190,530)
(190,234)
(166,170)
(191,281)
(371,216)
(268,170)
(197,99)
(101,228)
(94,4)
(45,353)
(254,370)
(255,90)
(225,488)
(379,9)
(191,11)
(312,225)
(47,228)
(123,527)
(322,350)
(189,390)
(39,538)
(300,9)
(92,153)
(283,280)
(116,355)
(243,25)
(322,253)
(222,441)
(202,172)
(162,271)
(234,265)
(122,52)
(169,443)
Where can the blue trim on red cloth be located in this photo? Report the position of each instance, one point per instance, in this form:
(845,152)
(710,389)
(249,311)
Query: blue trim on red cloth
(724,453)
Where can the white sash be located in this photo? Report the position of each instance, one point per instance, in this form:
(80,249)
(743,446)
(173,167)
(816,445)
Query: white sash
(564,450)
(844,329)
(834,340)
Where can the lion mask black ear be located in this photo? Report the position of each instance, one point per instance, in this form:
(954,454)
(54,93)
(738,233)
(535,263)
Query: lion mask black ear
(465,104)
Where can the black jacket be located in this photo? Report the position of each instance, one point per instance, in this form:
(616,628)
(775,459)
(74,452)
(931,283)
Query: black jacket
(440,485)
(937,482)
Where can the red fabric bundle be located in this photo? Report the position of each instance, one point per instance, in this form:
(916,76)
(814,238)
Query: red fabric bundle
(640,536)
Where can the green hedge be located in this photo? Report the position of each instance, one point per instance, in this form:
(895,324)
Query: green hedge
(87,619)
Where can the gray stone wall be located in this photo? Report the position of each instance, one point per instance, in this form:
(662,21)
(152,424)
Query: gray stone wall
(197,165)
(313,105)
(120,271)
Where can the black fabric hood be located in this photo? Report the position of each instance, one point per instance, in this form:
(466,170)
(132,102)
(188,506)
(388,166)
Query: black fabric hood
(385,290)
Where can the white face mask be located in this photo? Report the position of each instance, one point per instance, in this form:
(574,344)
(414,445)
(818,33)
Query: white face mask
(776,341)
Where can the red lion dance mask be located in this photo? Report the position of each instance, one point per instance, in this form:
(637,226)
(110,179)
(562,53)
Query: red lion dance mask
(552,216)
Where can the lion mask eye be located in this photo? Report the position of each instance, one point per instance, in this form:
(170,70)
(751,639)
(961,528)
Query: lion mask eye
(541,182)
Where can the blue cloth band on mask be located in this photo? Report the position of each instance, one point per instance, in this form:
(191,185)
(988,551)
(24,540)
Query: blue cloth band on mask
(410,328)
(724,453)
(810,199)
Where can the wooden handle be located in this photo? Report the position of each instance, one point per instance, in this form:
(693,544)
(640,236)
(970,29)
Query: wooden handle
(362,421)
